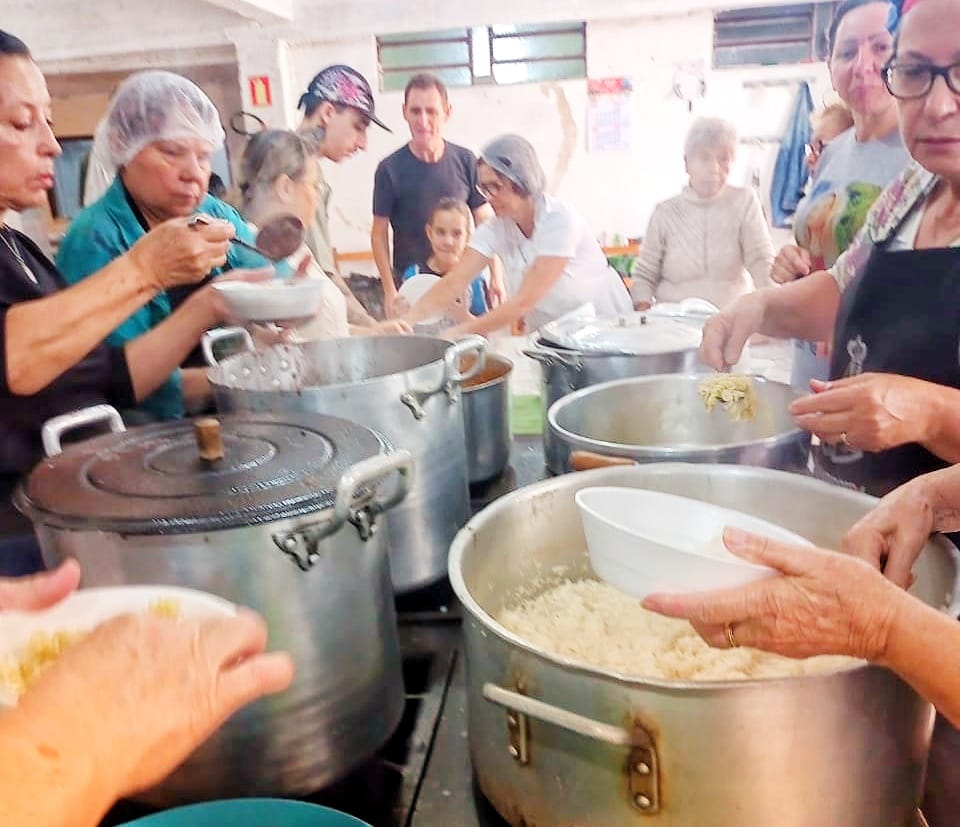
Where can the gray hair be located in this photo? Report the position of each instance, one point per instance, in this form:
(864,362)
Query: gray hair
(269,155)
(710,132)
(516,160)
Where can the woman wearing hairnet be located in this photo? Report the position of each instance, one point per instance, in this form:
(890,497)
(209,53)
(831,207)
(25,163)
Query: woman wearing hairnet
(161,130)
(552,263)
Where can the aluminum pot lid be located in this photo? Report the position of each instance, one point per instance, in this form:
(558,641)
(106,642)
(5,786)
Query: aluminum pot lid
(152,480)
(634,334)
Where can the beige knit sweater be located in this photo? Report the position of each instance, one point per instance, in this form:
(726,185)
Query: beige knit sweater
(704,248)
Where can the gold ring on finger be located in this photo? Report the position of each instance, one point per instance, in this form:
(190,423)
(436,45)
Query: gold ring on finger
(728,631)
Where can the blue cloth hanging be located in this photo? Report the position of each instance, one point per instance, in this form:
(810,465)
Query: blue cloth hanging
(790,172)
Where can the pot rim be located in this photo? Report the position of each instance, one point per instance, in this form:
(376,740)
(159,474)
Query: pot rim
(572,353)
(462,541)
(666,452)
(216,375)
(502,362)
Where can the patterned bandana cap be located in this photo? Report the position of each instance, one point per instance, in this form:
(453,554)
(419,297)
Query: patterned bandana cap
(345,86)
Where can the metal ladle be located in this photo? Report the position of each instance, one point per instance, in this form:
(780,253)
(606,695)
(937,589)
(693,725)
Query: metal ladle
(278,239)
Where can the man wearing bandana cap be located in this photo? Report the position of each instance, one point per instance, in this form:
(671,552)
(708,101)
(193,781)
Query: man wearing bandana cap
(338,107)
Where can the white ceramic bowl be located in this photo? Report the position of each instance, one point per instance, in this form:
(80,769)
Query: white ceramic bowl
(643,542)
(275,300)
(87,608)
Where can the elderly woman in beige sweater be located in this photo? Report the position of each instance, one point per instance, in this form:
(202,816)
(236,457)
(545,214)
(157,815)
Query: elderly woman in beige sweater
(711,241)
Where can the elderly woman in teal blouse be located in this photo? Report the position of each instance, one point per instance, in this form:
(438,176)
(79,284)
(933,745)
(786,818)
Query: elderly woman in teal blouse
(162,131)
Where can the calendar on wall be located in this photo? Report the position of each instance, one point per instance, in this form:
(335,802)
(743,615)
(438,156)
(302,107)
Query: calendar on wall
(609,121)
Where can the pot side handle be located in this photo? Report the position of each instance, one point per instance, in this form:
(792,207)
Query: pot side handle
(54,429)
(588,460)
(563,718)
(470,345)
(642,765)
(549,358)
(221,334)
(367,472)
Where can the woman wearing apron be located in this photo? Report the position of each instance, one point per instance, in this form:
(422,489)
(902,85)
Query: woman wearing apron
(891,410)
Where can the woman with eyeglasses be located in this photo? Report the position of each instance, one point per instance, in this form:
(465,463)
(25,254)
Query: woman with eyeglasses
(891,302)
(890,413)
(161,132)
(552,262)
(853,167)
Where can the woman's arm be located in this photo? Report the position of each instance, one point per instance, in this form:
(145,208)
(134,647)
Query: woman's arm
(542,274)
(805,309)
(45,337)
(152,357)
(445,292)
(647,270)
(923,648)
(828,603)
(756,246)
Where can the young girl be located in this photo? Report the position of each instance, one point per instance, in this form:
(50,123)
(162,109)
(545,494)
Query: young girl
(448,231)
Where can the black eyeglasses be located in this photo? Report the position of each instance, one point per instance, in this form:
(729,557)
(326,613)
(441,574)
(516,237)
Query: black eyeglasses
(490,189)
(908,81)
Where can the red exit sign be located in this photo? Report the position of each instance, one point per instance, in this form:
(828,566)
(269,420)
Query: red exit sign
(260,90)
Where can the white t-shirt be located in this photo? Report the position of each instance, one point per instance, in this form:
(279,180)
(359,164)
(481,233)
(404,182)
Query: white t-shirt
(558,231)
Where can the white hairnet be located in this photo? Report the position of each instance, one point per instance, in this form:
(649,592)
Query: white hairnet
(515,159)
(159,106)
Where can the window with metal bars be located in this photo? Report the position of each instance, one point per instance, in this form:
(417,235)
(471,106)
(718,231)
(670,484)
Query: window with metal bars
(771,35)
(498,54)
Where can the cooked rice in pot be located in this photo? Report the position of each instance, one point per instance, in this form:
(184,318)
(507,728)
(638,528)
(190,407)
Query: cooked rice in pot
(603,628)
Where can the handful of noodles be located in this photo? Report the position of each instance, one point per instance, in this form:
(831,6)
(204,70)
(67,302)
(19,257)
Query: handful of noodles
(735,393)
(19,672)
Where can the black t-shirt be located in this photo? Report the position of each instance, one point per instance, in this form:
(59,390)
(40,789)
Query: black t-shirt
(406,189)
(101,376)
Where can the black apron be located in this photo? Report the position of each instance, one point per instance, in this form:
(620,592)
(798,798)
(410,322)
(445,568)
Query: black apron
(900,315)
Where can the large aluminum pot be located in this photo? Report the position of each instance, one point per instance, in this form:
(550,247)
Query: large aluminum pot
(563,371)
(557,743)
(486,416)
(405,387)
(663,419)
(286,523)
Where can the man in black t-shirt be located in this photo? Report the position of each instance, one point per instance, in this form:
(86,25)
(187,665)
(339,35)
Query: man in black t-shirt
(412,180)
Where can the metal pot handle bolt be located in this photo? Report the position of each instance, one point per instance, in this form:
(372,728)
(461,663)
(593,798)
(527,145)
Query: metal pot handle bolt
(642,764)
(220,334)
(452,377)
(301,543)
(54,429)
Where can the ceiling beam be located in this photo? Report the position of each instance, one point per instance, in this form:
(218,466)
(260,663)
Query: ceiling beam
(262,11)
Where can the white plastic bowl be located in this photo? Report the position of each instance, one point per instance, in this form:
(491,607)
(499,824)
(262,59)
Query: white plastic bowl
(415,288)
(275,300)
(643,542)
(87,608)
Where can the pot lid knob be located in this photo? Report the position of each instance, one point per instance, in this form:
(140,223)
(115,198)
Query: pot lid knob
(209,442)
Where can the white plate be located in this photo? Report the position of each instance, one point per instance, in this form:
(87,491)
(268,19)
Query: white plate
(87,608)
(275,300)
(415,288)
(646,541)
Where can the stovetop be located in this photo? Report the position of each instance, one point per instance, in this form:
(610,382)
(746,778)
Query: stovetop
(422,776)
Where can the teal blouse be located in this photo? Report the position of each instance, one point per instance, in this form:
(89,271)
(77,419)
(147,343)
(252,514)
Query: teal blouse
(106,230)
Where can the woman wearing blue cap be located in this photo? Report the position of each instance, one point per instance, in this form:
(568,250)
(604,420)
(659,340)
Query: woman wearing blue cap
(552,262)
